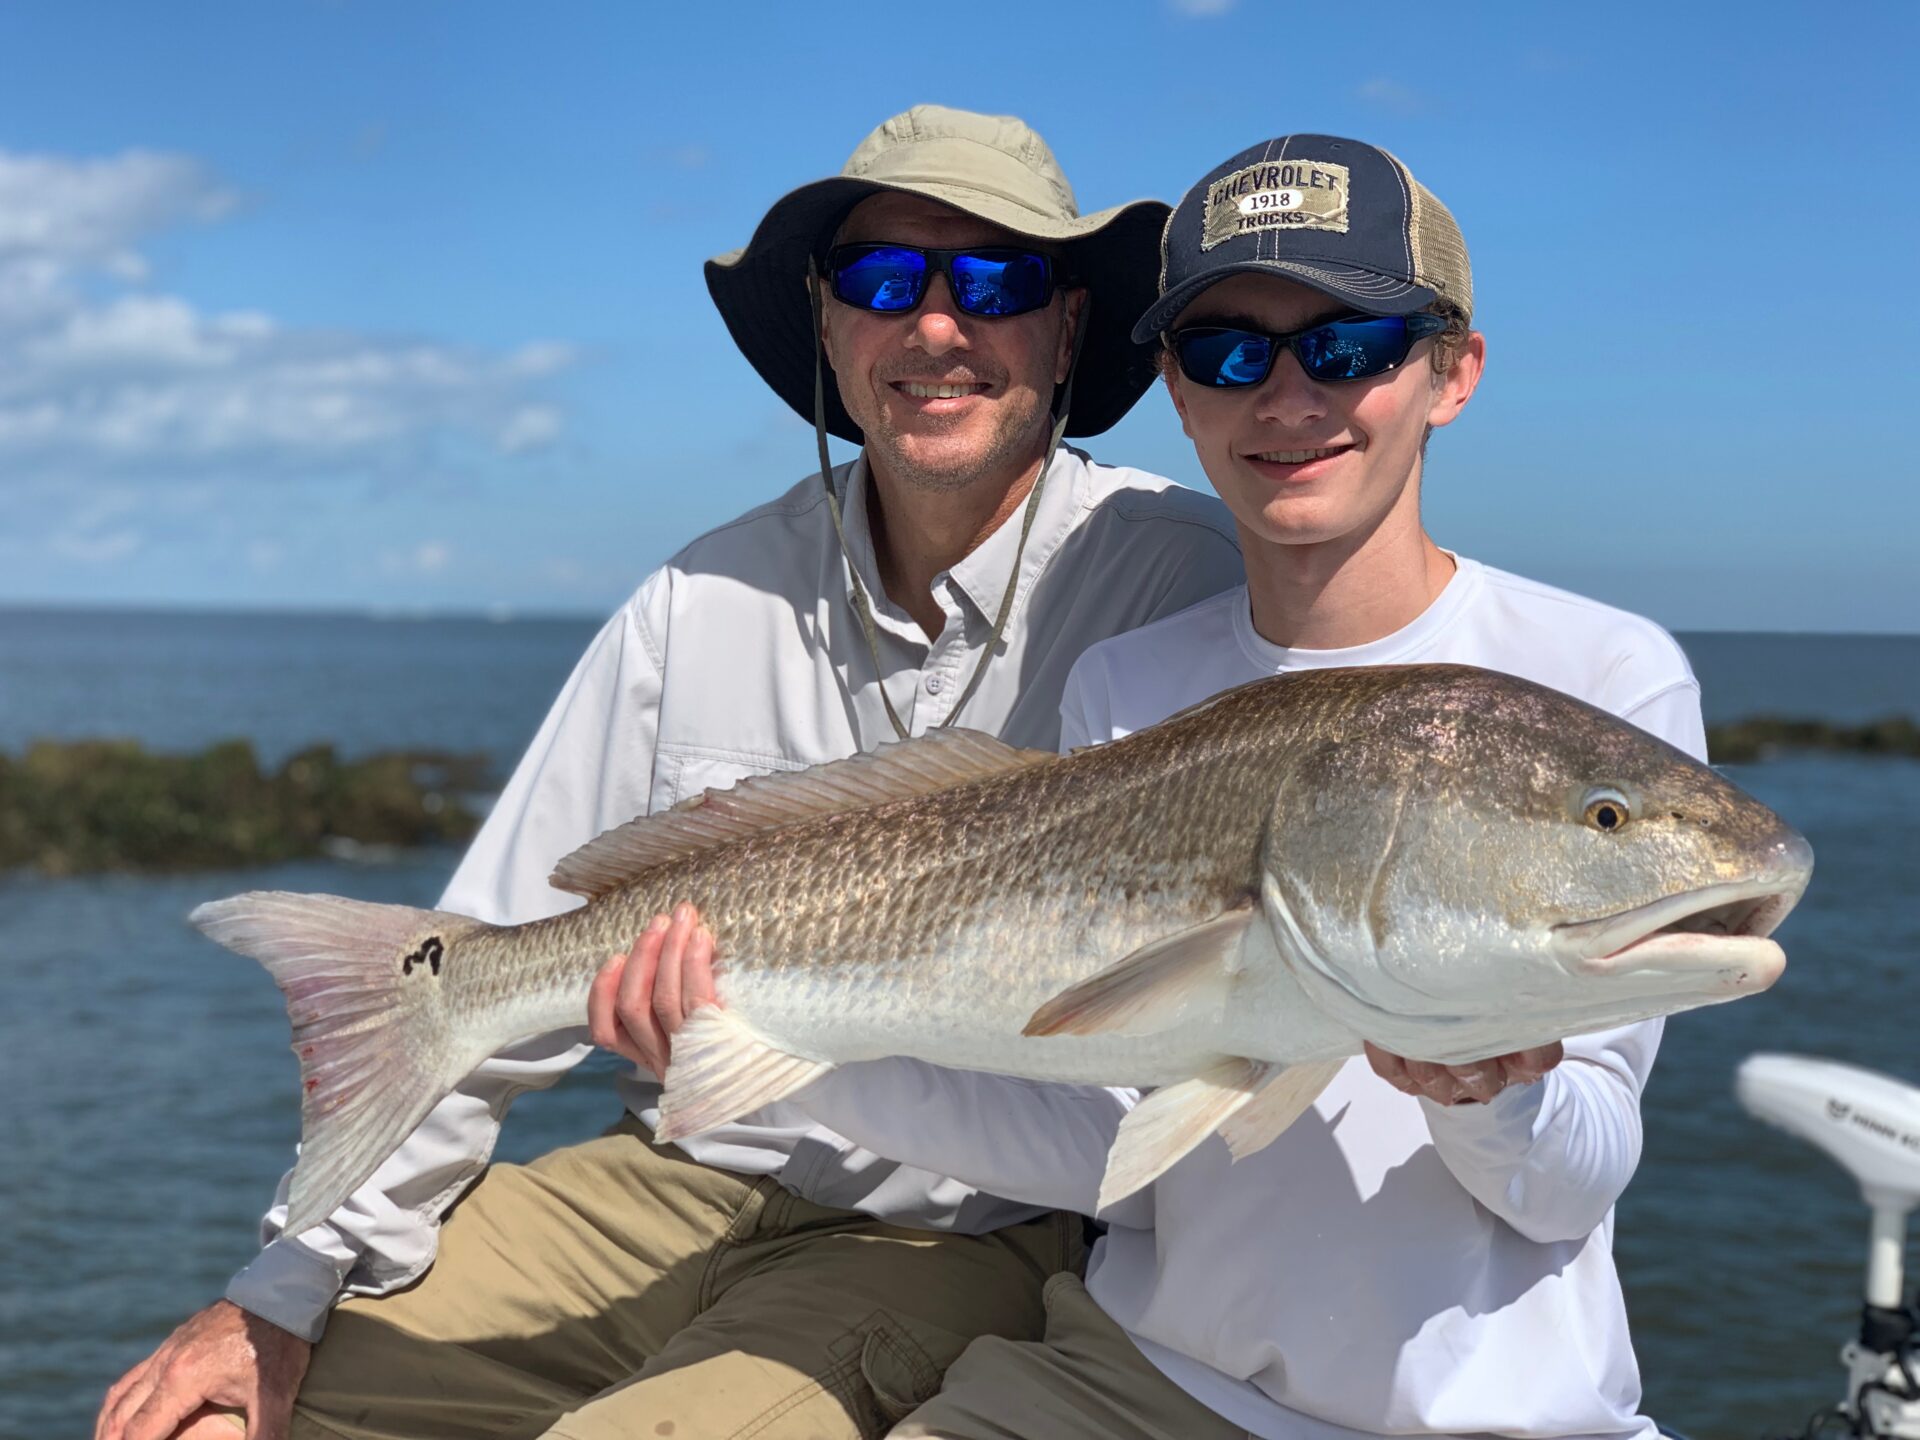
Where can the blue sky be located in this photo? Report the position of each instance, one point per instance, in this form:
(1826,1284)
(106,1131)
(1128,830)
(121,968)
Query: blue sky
(399,306)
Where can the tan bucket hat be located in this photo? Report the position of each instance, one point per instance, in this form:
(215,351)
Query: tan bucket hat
(990,166)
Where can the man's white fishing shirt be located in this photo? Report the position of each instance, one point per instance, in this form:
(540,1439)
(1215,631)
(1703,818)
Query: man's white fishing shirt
(1388,1266)
(743,655)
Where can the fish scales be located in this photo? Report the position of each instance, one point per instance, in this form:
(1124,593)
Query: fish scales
(997,894)
(1226,905)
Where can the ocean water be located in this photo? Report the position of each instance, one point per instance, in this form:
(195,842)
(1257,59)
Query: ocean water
(151,1095)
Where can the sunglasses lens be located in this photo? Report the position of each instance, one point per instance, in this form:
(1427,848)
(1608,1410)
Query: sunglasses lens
(879,277)
(1354,349)
(1224,357)
(1000,282)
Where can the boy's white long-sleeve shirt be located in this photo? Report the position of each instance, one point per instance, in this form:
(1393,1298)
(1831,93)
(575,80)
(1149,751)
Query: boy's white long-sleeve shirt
(1388,1266)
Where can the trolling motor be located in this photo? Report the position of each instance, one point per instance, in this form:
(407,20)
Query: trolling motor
(1870,1123)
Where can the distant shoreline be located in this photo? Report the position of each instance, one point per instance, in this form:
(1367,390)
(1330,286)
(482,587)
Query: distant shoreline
(510,614)
(93,806)
(71,807)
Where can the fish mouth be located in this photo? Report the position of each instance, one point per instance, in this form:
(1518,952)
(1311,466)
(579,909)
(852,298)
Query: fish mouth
(1717,934)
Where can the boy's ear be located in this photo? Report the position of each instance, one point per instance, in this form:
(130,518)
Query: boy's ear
(1455,385)
(1170,375)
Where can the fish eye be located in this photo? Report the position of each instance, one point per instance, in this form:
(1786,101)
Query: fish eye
(1607,809)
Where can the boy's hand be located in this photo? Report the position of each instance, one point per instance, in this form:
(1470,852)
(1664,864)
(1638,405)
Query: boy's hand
(1461,1084)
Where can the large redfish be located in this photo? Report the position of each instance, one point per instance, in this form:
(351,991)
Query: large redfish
(1449,862)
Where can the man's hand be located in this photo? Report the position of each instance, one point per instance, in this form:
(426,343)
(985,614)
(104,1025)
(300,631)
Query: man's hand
(639,1001)
(221,1359)
(1458,1084)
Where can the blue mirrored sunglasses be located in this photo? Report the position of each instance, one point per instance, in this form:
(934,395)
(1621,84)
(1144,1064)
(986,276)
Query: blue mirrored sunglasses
(892,279)
(1351,347)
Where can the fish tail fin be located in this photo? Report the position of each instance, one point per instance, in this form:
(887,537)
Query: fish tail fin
(723,1069)
(363,989)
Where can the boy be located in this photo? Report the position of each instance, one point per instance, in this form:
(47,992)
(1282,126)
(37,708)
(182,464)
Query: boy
(1428,1249)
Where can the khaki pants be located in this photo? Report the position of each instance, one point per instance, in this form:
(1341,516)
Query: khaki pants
(616,1289)
(1085,1381)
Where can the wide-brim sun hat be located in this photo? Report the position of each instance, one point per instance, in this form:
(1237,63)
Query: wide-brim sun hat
(993,167)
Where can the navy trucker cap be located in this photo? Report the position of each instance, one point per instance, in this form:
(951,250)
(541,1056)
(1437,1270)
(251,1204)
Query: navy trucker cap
(1339,215)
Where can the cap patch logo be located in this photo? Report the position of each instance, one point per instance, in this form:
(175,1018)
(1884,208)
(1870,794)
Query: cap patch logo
(1275,195)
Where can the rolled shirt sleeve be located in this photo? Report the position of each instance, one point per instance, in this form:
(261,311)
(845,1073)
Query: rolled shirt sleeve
(588,768)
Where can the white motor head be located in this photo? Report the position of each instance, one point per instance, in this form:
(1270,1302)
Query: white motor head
(1868,1122)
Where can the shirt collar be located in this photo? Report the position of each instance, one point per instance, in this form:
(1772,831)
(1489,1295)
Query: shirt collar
(1401,647)
(854,519)
(982,574)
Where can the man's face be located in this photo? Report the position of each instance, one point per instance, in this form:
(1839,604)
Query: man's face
(888,367)
(1300,461)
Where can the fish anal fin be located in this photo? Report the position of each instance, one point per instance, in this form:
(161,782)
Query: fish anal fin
(1154,986)
(1163,1127)
(1283,1099)
(905,768)
(722,1069)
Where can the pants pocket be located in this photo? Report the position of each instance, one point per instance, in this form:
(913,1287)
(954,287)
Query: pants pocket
(899,1372)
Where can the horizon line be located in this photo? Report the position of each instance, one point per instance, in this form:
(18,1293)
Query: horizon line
(503,613)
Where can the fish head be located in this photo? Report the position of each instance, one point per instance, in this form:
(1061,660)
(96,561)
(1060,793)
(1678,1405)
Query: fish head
(1474,864)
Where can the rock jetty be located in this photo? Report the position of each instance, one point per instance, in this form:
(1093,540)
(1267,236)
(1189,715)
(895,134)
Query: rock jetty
(97,805)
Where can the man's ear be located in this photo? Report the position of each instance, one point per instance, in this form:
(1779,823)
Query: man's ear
(1076,302)
(824,311)
(1454,386)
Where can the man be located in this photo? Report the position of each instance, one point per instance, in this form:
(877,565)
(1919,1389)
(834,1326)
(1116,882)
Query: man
(1428,1250)
(771,1279)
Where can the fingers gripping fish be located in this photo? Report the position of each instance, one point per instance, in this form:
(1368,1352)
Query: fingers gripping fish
(1446,861)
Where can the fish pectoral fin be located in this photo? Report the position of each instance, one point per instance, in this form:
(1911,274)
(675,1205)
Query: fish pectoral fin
(1172,1120)
(1154,986)
(722,1069)
(1283,1099)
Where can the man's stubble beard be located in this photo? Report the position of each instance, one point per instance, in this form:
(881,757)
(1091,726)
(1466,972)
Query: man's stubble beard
(1016,445)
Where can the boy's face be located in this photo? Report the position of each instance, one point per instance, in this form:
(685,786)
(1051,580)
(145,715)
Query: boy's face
(1300,461)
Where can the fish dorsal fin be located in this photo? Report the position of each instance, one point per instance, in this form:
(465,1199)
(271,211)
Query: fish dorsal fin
(934,761)
(1156,985)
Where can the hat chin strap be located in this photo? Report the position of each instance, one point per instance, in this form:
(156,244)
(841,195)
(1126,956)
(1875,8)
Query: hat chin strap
(861,605)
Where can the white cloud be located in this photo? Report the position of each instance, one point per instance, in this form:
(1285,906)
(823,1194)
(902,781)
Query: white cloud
(689,156)
(429,557)
(100,375)
(1391,95)
(1201,9)
(93,211)
(100,549)
(529,429)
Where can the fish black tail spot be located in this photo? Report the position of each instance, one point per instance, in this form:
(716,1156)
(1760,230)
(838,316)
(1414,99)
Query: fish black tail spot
(374,1047)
